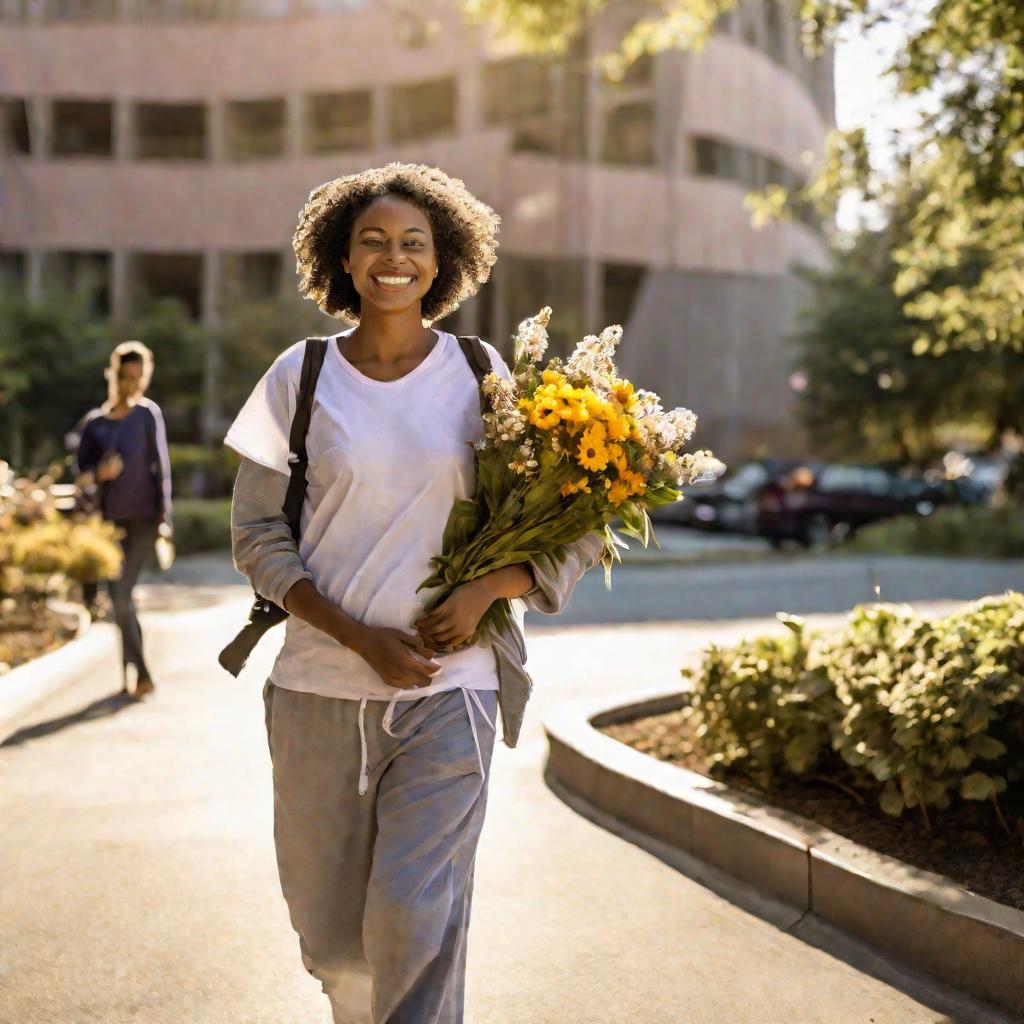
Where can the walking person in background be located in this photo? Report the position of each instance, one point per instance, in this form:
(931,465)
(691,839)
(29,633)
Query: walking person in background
(123,452)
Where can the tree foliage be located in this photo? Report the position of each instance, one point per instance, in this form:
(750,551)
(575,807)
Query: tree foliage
(868,395)
(965,165)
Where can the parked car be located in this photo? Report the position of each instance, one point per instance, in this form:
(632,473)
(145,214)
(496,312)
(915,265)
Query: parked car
(815,505)
(728,504)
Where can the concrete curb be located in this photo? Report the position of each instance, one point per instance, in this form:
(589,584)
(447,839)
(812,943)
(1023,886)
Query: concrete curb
(921,918)
(24,688)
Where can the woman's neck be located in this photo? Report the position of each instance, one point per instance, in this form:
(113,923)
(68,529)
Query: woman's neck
(120,408)
(389,338)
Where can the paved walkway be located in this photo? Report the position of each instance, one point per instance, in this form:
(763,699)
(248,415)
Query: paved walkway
(139,884)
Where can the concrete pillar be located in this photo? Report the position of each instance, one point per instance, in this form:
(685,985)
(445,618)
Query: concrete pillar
(469,111)
(40,127)
(379,116)
(216,131)
(125,146)
(212,416)
(294,126)
(120,285)
(34,270)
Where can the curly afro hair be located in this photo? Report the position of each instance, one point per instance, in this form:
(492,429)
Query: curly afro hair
(463,227)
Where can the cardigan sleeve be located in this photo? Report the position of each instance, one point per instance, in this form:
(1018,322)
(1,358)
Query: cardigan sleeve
(262,545)
(556,575)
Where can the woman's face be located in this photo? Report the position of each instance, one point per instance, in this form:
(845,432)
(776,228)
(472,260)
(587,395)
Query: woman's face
(129,380)
(391,254)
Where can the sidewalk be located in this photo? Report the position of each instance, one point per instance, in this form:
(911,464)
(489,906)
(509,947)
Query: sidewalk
(140,883)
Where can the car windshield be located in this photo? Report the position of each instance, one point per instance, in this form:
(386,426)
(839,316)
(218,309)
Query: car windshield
(746,479)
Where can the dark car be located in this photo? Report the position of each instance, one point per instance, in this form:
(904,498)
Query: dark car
(728,504)
(816,504)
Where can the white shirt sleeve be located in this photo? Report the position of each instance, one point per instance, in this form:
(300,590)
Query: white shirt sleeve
(261,428)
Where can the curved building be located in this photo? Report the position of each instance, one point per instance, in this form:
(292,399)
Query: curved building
(166,147)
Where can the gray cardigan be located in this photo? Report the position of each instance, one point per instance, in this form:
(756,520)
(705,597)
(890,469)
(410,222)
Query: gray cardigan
(263,550)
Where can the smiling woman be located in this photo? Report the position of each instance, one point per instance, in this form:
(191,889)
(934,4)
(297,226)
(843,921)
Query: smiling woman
(381,746)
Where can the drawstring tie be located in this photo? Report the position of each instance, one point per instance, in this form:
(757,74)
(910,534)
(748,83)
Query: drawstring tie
(388,721)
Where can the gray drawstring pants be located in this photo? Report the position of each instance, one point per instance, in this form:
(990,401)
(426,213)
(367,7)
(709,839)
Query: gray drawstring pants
(379,885)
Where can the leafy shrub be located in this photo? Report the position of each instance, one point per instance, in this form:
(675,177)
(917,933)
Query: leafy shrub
(761,707)
(957,530)
(40,550)
(202,524)
(215,466)
(920,711)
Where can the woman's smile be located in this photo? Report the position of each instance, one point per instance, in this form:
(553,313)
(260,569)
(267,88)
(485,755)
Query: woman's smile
(393,282)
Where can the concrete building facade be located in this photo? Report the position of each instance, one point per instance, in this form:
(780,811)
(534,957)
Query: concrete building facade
(166,147)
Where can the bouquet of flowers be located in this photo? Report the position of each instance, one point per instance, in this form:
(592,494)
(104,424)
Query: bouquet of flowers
(567,448)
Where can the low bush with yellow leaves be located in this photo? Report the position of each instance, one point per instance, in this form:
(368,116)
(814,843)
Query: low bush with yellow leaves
(41,551)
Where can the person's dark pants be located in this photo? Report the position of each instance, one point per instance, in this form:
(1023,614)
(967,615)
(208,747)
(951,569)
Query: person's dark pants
(137,543)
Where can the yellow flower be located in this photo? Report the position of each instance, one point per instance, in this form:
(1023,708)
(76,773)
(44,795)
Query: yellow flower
(623,391)
(618,493)
(552,377)
(573,409)
(575,486)
(618,427)
(634,481)
(544,414)
(592,453)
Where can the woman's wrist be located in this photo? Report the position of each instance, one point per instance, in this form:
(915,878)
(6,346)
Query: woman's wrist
(509,581)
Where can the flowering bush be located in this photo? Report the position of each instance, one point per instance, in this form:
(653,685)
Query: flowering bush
(40,550)
(567,448)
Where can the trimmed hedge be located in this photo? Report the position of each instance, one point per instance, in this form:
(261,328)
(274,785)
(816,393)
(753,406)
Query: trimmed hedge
(215,466)
(916,712)
(202,524)
(975,530)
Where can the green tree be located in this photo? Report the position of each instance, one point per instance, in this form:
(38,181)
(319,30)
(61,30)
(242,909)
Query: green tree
(51,357)
(868,395)
(965,166)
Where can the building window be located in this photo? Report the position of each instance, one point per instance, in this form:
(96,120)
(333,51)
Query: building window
(82,128)
(629,134)
(748,167)
(520,92)
(251,276)
(170,131)
(620,286)
(172,10)
(168,275)
(517,88)
(339,121)
(81,10)
(87,273)
(534,283)
(255,129)
(420,110)
(19,139)
(13,270)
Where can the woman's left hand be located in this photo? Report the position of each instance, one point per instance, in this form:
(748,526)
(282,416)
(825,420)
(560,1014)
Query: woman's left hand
(457,617)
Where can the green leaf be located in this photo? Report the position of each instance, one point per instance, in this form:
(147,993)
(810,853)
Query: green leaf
(891,800)
(978,786)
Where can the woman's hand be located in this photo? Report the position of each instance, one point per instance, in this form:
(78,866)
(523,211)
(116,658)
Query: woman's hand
(400,659)
(110,467)
(457,617)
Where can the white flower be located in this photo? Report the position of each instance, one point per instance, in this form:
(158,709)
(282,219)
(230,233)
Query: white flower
(532,336)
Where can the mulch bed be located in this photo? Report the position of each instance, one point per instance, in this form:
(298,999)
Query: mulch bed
(966,842)
(26,633)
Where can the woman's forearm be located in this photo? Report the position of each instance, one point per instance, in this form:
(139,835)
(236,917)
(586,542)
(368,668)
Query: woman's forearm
(305,602)
(510,581)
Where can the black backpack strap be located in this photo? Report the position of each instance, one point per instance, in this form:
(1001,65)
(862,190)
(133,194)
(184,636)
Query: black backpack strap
(479,362)
(264,613)
(312,361)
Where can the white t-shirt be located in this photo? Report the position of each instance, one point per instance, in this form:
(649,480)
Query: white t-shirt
(387,459)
